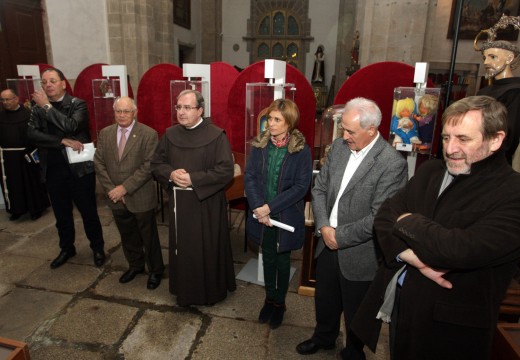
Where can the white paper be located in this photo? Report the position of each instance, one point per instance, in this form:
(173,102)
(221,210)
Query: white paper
(281,225)
(86,155)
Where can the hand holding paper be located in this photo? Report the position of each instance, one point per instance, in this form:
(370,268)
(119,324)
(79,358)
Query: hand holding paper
(280,225)
(86,155)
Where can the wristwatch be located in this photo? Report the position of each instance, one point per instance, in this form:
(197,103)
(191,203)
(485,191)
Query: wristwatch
(47,107)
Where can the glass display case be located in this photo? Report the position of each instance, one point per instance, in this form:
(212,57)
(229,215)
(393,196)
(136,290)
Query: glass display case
(176,86)
(414,117)
(328,129)
(258,97)
(24,88)
(104,92)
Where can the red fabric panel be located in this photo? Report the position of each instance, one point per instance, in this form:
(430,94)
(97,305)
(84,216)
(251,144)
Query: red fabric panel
(153,96)
(254,73)
(377,82)
(83,90)
(223,77)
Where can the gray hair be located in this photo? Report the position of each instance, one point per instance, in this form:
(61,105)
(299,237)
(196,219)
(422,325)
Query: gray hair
(118,99)
(369,112)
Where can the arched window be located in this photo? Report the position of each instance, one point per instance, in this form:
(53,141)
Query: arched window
(278,36)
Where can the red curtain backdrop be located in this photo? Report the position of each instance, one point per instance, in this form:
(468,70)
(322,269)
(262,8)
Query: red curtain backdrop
(83,90)
(153,96)
(223,77)
(254,73)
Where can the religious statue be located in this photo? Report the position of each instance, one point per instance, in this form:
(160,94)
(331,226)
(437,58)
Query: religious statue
(500,58)
(318,72)
(355,50)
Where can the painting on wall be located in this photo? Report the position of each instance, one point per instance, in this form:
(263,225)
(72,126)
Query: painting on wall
(479,15)
(182,13)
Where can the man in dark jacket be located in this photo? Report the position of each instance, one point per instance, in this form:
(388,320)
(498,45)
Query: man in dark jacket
(450,244)
(58,121)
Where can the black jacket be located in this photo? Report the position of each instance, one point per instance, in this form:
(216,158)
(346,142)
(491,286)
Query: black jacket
(72,122)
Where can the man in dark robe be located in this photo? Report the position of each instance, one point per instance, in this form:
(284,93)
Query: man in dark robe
(21,186)
(194,163)
(500,58)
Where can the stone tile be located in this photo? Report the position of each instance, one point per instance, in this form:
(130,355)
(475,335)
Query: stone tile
(244,303)
(69,278)
(43,245)
(231,339)
(300,311)
(149,340)
(134,290)
(60,352)
(14,268)
(7,240)
(24,310)
(93,321)
(26,226)
(5,288)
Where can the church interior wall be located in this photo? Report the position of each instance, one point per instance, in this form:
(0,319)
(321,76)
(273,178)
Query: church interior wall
(141,34)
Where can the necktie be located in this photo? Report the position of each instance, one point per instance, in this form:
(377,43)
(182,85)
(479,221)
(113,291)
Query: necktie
(122,142)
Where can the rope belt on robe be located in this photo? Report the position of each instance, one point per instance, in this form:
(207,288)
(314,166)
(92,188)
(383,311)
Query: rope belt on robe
(4,177)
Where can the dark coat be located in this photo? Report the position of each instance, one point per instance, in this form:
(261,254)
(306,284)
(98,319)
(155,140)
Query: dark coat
(293,183)
(472,230)
(72,122)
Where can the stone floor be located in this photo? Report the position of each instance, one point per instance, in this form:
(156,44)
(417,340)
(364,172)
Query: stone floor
(82,312)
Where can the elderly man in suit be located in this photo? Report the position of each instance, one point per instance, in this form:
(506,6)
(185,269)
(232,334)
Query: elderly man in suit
(122,160)
(361,170)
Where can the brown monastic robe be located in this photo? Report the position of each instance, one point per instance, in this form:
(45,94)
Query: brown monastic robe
(201,262)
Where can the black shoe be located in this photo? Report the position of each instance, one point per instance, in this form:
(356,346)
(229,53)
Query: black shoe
(14,217)
(62,258)
(277,316)
(309,347)
(154,280)
(129,275)
(36,216)
(266,312)
(99,258)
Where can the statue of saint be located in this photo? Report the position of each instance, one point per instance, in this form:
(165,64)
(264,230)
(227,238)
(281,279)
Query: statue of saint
(318,72)
(500,58)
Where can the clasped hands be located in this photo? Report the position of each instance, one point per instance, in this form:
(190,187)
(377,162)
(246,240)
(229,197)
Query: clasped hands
(181,177)
(117,194)
(262,215)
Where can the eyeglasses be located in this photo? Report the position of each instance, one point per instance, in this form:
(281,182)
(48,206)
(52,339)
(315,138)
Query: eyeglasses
(185,107)
(125,112)
(52,81)
(6,100)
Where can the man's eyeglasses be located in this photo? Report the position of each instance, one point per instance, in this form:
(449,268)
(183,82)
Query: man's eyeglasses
(6,100)
(125,112)
(52,81)
(185,107)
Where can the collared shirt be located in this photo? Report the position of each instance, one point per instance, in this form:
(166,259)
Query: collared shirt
(355,159)
(128,131)
(194,126)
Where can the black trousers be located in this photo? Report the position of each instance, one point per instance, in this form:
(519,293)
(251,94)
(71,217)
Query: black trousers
(64,191)
(140,239)
(335,295)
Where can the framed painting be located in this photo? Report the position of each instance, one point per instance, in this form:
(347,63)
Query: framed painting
(479,15)
(182,13)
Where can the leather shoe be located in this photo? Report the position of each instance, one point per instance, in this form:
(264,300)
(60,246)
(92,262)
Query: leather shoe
(154,280)
(62,258)
(309,347)
(99,258)
(129,275)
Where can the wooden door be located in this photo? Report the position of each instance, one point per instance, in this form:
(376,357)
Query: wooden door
(22,40)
